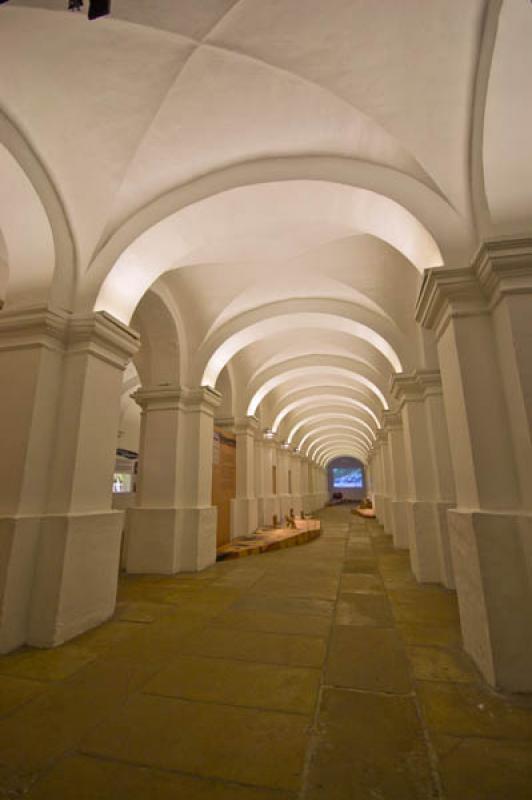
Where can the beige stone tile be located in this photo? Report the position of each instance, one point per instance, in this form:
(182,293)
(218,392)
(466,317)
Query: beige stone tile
(484,769)
(466,710)
(54,722)
(87,778)
(267,648)
(367,658)
(369,746)
(437,664)
(271,622)
(440,634)
(14,692)
(46,665)
(261,748)
(239,683)
(320,588)
(285,605)
(363,609)
(353,583)
(360,564)
(424,605)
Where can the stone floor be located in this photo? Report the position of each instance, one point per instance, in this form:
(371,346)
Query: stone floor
(319,672)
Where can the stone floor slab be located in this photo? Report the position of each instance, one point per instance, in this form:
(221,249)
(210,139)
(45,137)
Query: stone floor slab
(271,622)
(437,664)
(14,692)
(359,582)
(260,748)
(267,648)
(239,683)
(369,746)
(363,609)
(465,710)
(485,769)
(86,778)
(367,658)
(289,605)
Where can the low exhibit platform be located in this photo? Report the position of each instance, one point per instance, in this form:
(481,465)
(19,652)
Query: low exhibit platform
(368,513)
(270,539)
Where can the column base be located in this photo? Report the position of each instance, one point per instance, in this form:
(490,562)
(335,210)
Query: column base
(285,504)
(244,513)
(261,521)
(165,541)
(387,517)
(444,543)
(379,508)
(492,557)
(271,507)
(19,541)
(423,540)
(399,524)
(76,576)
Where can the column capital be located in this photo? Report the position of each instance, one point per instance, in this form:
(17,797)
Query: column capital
(499,268)
(202,398)
(391,420)
(33,326)
(249,425)
(269,438)
(225,423)
(415,386)
(162,398)
(102,336)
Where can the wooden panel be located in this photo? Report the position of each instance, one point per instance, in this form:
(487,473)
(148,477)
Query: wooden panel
(223,481)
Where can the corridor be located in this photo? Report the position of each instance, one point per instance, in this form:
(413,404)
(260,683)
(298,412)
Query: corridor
(321,671)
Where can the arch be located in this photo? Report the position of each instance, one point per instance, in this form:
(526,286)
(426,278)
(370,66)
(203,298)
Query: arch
(332,438)
(331,427)
(296,372)
(310,400)
(158,361)
(328,415)
(449,232)
(42,267)
(284,316)
(325,446)
(328,455)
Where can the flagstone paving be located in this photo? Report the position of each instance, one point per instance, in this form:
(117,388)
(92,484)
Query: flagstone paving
(323,672)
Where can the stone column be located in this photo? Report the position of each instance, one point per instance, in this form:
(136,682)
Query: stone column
(259,479)
(154,533)
(425,464)
(271,499)
(387,494)
(283,461)
(297,494)
(379,480)
(398,481)
(245,504)
(483,322)
(305,491)
(59,412)
(173,526)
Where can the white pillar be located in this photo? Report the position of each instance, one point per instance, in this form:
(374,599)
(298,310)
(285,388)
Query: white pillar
(297,494)
(398,481)
(483,322)
(271,498)
(380,486)
(173,526)
(283,463)
(387,476)
(426,506)
(259,479)
(59,412)
(244,506)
